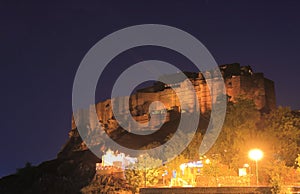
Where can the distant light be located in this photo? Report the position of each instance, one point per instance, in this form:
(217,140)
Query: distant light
(182,167)
(207,161)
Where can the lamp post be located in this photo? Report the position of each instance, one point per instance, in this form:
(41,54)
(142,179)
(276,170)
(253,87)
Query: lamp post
(145,169)
(256,154)
(145,174)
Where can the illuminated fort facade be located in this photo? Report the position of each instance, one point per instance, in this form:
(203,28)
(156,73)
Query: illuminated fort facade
(240,81)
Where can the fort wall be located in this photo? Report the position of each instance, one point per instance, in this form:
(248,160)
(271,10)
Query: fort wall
(239,81)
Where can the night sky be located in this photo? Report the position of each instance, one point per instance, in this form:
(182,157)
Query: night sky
(42,45)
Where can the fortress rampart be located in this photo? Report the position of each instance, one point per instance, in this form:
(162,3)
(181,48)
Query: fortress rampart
(239,81)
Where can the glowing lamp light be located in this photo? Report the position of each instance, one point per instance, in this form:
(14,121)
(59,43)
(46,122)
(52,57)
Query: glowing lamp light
(207,161)
(256,154)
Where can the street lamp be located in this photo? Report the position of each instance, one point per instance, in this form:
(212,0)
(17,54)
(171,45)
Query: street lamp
(256,154)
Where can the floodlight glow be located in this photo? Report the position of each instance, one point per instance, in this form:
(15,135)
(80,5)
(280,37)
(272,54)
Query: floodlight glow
(256,154)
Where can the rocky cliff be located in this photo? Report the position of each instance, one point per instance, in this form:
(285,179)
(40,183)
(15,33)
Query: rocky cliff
(74,168)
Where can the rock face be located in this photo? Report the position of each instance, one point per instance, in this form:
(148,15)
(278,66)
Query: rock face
(74,167)
(61,176)
(240,81)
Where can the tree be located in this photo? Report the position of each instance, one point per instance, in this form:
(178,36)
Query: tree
(279,175)
(192,150)
(238,134)
(105,184)
(134,178)
(282,131)
(145,172)
(297,162)
(179,141)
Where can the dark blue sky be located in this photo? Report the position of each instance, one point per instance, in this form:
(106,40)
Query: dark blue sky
(42,45)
